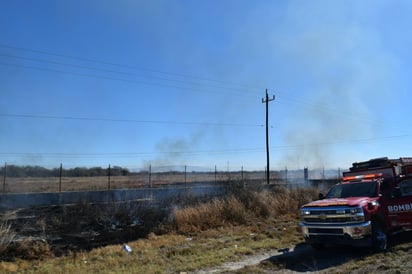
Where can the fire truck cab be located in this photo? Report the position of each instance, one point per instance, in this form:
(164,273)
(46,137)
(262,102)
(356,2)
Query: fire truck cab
(373,201)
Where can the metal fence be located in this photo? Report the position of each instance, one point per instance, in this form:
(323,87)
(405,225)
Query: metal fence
(59,179)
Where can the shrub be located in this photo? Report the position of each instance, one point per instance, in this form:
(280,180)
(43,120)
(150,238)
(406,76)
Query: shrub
(31,248)
(25,247)
(234,211)
(241,207)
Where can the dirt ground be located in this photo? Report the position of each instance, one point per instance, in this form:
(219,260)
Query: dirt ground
(302,258)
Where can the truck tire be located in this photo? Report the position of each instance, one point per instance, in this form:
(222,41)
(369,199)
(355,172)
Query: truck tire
(379,237)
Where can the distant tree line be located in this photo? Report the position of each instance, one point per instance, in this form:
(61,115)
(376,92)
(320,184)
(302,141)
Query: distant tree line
(38,171)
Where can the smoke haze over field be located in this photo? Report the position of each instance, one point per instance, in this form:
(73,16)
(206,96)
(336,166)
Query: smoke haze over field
(134,83)
(173,152)
(349,73)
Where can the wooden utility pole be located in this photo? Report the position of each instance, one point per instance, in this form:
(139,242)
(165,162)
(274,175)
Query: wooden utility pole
(267,100)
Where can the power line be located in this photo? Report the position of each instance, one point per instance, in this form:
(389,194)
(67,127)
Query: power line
(124,73)
(121,79)
(339,142)
(328,109)
(129,66)
(234,90)
(110,78)
(253,90)
(194,152)
(32,116)
(199,89)
(129,154)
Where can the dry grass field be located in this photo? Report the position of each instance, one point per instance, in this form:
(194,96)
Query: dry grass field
(244,232)
(53,184)
(185,237)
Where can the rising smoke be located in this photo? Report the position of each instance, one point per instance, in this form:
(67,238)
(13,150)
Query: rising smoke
(174,153)
(349,72)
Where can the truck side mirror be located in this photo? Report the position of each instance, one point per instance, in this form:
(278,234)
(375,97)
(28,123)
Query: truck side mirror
(371,205)
(321,196)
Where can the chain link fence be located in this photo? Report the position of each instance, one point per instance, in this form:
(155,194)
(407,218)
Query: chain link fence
(31,179)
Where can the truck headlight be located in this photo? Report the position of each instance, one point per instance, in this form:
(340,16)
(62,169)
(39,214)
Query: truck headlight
(304,212)
(356,210)
(357,214)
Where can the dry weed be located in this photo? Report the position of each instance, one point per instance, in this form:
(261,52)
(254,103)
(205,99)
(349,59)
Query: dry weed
(32,248)
(241,207)
(7,235)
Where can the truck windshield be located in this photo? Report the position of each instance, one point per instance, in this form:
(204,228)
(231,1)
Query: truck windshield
(368,189)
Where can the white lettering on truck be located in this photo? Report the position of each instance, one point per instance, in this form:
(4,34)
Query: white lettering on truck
(399,208)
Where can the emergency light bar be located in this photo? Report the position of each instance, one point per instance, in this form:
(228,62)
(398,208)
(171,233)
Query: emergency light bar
(362,177)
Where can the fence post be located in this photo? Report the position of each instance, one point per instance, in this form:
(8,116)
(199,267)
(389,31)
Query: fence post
(150,175)
(243,181)
(306,174)
(60,177)
(108,179)
(185,175)
(215,175)
(241,175)
(286,174)
(4,177)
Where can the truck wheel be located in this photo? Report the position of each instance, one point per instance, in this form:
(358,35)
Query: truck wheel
(379,237)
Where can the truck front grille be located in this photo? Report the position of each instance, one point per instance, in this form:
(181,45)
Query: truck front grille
(328,219)
(332,215)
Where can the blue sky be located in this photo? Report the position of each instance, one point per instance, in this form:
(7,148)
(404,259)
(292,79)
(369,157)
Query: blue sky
(133,83)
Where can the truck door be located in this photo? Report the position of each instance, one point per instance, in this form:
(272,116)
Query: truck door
(399,207)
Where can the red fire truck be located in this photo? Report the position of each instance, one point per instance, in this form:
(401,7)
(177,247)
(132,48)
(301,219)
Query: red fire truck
(373,201)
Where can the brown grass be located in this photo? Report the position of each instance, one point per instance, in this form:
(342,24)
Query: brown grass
(188,238)
(242,207)
(202,236)
(7,235)
(23,247)
(51,184)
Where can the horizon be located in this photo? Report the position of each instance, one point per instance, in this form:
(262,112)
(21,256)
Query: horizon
(182,169)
